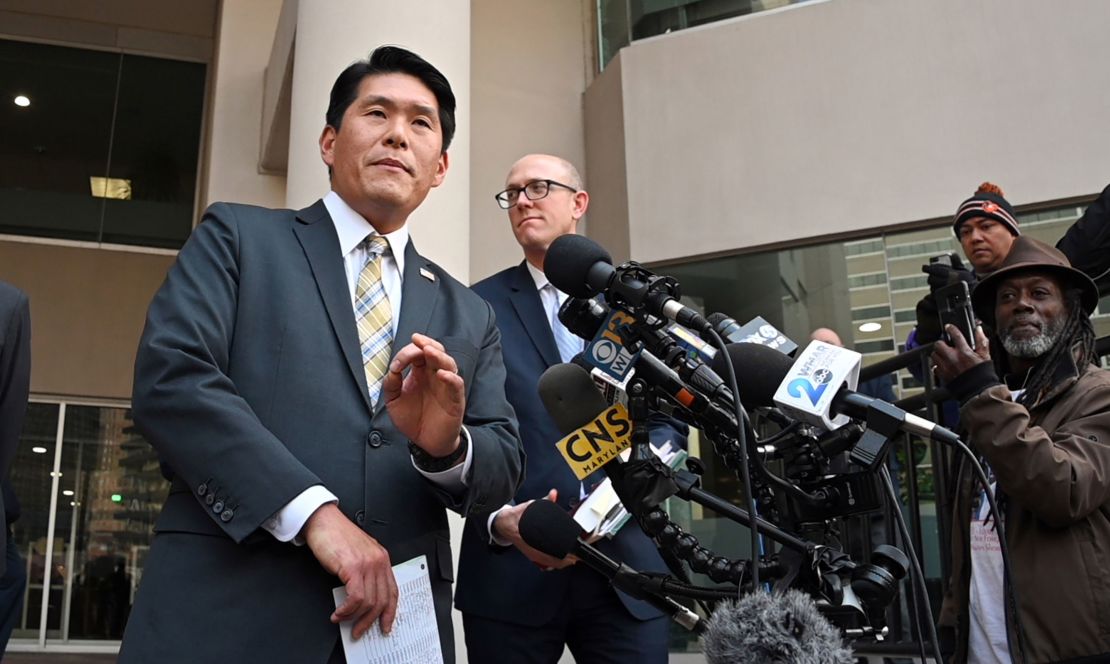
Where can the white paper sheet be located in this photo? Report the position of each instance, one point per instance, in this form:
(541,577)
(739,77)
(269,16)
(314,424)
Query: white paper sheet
(415,635)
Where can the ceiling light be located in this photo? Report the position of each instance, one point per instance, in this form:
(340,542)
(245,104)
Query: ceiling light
(870,327)
(23,101)
(117,188)
(38,450)
(67,492)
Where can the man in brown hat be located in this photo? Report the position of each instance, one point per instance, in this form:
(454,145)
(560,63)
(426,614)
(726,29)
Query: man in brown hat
(1037,411)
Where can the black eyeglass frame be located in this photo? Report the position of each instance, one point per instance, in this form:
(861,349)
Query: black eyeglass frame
(505,204)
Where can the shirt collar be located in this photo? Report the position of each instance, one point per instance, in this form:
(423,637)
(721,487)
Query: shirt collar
(352,228)
(538,276)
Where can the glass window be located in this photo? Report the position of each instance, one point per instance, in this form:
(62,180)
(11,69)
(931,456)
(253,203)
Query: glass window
(104,147)
(622,21)
(32,482)
(107,490)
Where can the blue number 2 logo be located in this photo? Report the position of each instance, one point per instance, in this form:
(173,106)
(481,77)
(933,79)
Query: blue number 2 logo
(798,385)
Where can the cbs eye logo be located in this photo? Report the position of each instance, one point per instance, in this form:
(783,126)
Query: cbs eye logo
(604,351)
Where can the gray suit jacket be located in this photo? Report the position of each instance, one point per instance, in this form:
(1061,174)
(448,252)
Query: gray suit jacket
(249,384)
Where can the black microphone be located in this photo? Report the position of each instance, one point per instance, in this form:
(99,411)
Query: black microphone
(580,267)
(772,629)
(756,331)
(570,397)
(765,369)
(697,388)
(546,527)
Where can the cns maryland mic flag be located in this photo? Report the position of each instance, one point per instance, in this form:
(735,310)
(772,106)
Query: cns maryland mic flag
(592,446)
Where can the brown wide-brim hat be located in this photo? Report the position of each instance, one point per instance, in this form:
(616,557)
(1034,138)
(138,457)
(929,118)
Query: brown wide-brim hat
(1030,255)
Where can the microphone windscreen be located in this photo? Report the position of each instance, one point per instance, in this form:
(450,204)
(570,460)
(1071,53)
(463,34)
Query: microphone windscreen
(772,629)
(570,397)
(716,317)
(759,371)
(546,527)
(568,261)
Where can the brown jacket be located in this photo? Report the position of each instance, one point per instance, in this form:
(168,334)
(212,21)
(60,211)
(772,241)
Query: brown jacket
(1053,464)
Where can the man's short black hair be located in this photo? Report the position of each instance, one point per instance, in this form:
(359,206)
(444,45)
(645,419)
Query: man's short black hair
(393,60)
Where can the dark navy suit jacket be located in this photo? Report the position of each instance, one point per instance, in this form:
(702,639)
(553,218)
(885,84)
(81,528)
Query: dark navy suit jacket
(15,380)
(499,583)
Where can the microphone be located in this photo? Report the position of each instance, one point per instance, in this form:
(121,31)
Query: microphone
(614,365)
(546,527)
(772,629)
(595,432)
(580,267)
(610,388)
(768,372)
(755,331)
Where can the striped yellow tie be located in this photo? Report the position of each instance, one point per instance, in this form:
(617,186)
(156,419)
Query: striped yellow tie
(374,317)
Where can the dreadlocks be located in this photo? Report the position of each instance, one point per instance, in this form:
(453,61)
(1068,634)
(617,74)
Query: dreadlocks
(1077,339)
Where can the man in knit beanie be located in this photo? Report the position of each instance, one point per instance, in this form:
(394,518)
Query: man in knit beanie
(986,226)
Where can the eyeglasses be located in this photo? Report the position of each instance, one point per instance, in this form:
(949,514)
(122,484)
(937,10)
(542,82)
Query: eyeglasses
(534,190)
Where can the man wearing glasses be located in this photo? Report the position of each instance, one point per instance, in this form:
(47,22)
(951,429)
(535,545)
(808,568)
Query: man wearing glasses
(518,604)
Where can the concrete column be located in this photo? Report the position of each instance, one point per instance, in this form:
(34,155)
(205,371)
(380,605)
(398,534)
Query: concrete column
(243,44)
(331,34)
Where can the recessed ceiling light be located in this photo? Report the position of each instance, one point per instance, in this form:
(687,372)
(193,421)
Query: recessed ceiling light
(23,101)
(67,492)
(38,450)
(870,327)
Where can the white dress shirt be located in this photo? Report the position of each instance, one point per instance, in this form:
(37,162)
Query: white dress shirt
(546,295)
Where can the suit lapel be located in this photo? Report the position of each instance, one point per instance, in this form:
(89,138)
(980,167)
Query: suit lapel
(419,290)
(529,308)
(317,236)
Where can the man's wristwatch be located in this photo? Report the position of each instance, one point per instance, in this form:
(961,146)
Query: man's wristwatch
(432,464)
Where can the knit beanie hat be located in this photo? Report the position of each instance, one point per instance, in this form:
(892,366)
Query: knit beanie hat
(987,202)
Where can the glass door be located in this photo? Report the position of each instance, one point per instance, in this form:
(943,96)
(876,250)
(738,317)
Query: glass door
(91,489)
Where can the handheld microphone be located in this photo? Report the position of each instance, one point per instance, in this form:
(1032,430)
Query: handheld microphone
(755,331)
(546,527)
(595,432)
(613,390)
(772,629)
(767,370)
(805,393)
(580,267)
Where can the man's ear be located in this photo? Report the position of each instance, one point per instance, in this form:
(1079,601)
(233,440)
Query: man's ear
(581,202)
(441,169)
(327,146)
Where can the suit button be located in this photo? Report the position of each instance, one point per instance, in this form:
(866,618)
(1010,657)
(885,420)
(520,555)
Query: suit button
(218,507)
(202,489)
(209,499)
(374,439)
(360,516)
(226,515)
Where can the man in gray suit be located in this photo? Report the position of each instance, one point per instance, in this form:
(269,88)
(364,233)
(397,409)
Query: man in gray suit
(318,393)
